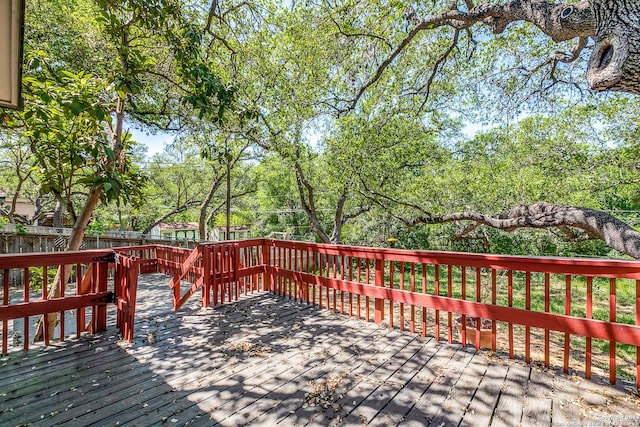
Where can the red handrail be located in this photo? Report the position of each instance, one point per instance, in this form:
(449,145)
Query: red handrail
(23,270)
(536,293)
(527,300)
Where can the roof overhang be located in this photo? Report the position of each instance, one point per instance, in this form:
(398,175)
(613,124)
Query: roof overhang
(11,38)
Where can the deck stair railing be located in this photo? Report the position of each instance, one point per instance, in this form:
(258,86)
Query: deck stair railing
(192,262)
(233,268)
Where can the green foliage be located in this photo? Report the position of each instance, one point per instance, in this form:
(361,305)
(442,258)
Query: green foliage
(36,278)
(21,229)
(283,77)
(64,124)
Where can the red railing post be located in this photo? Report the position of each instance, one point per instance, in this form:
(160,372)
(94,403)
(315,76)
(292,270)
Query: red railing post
(235,266)
(126,283)
(5,302)
(101,310)
(379,281)
(176,295)
(207,274)
(638,324)
(267,276)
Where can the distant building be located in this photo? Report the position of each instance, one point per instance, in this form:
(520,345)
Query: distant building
(236,232)
(176,231)
(25,208)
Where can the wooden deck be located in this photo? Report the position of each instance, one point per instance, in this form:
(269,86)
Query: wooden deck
(266,360)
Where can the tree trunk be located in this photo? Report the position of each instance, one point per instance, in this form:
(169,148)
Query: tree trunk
(82,220)
(62,276)
(307,201)
(615,61)
(203,227)
(58,215)
(614,24)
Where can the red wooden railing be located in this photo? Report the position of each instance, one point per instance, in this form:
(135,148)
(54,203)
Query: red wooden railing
(533,298)
(576,313)
(127,269)
(146,255)
(234,268)
(21,274)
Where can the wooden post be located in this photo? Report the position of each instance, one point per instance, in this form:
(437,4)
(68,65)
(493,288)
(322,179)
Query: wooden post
(379,281)
(217,273)
(5,302)
(132,285)
(176,295)
(235,266)
(206,272)
(267,277)
(101,310)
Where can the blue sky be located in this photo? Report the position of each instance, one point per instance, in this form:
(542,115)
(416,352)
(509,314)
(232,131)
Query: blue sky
(154,143)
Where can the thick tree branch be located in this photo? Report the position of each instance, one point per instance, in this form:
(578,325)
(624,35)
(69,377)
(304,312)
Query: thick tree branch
(615,233)
(559,21)
(307,201)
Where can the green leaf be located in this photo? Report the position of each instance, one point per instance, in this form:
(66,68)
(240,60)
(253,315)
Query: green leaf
(76,107)
(110,154)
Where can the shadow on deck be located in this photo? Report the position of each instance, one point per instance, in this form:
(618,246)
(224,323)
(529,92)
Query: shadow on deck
(266,360)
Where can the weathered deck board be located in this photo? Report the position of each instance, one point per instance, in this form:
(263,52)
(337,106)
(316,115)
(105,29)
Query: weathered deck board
(286,399)
(385,386)
(537,412)
(443,385)
(224,397)
(483,405)
(512,396)
(266,360)
(357,384)
(402,403)
(452,411)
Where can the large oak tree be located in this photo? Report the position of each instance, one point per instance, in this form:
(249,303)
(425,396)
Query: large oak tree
(610,30)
